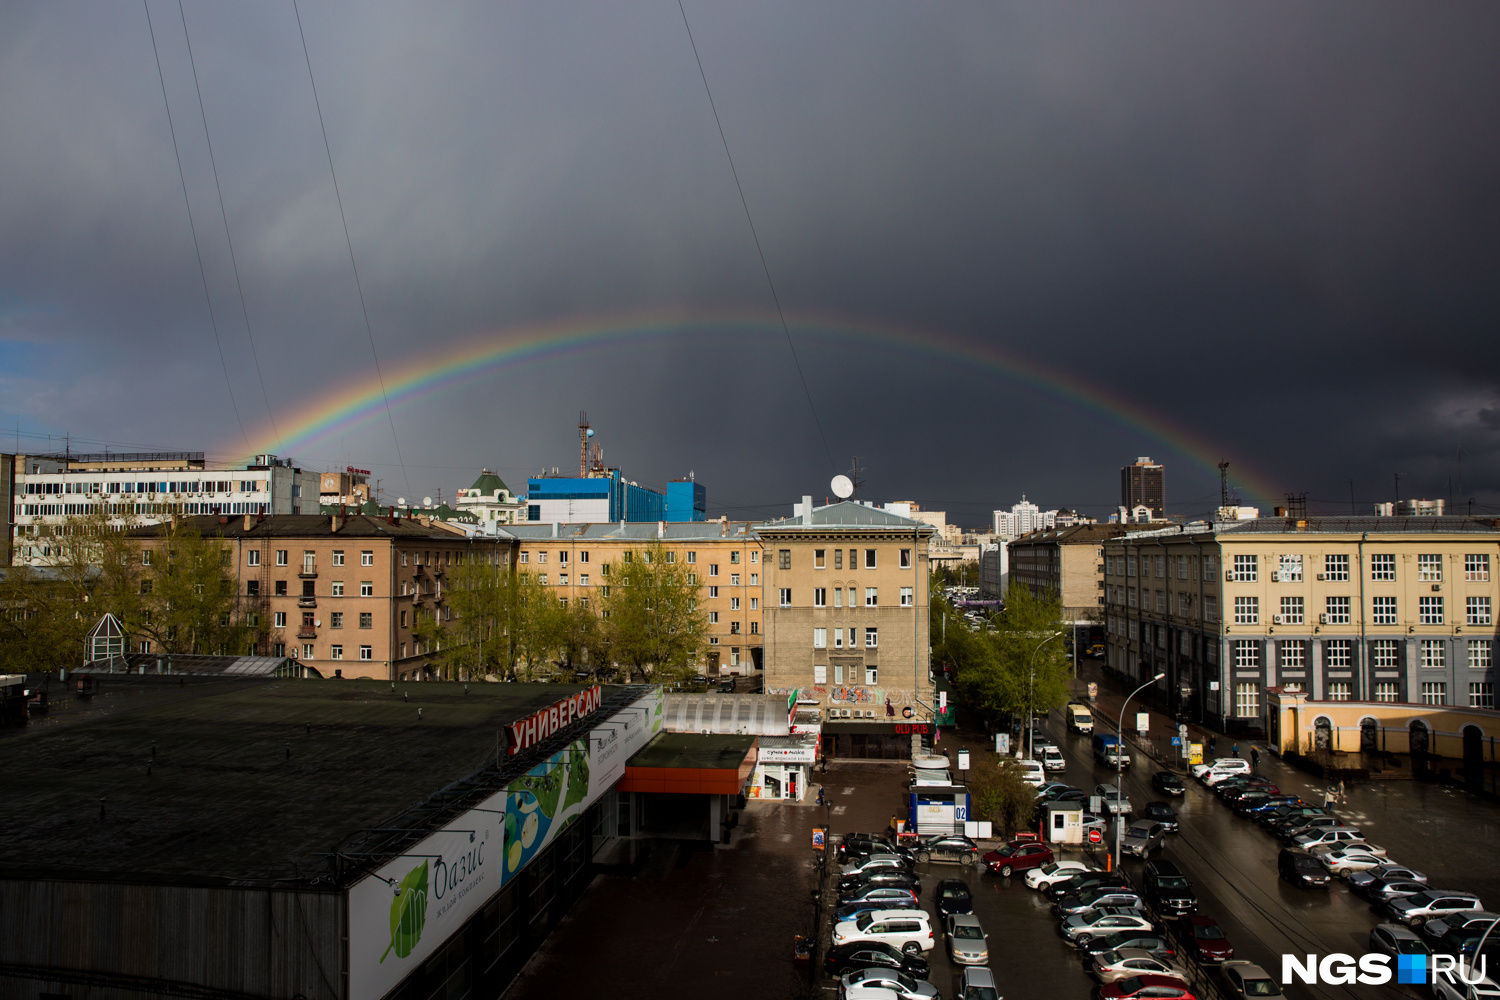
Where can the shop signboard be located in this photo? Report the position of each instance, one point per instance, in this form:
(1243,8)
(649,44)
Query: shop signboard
(806,753)
(411,905)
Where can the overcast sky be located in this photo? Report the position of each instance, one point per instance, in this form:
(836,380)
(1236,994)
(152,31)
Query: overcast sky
(1272,229)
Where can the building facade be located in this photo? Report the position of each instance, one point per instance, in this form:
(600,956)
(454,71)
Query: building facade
(491,502)
(846,624)
(1375,609)
(1022,518)
(1066,563)
(1144,483)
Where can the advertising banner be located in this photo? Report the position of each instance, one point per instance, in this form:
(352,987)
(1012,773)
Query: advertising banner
(805,754)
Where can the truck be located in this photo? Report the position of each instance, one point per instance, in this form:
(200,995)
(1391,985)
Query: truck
(1109,751)
(1080,718)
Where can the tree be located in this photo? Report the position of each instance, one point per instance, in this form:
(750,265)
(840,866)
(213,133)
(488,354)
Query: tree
(652,612)
(469,639)
(1000,794)
(585,641)
(535,621)
(186,598)
(1015,662)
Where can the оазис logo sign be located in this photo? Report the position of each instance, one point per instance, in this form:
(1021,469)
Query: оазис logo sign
(408,912)
(1375,970)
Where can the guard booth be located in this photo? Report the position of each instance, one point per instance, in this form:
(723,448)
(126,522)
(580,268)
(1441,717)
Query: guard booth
(1063,822)
(938,809)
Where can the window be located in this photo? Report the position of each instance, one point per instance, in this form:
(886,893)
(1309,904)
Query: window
(541,557)
(784,559)
(872,637)
(1385,653)
(338,557)
(1336,568)
(252,588)
(1432,653)
(1383,566)
(336,619)
(1430,568)
(872,675)
(583,580)
(1210,608)
(713,591)
(1130,594)
(1384,612)
(338,588)
(734,603)
(1477,611)
(734,579)
(1291,610)
(1338,652)
(1246,610)
(1291,568)
(366,588)
(820,559)
(871,597)
(1386,691)
(713,569)
(853,635)
(1130,564)
(1247,700)
(1161,570)
(820,673)
(734,558)
(1479,654)
(366,653)
(1245,568)
(755,579)
(335,652)
(838,597)
(1293,654)
(869,558)
(281,557)
(562,579)
(562,557)
(786,597)
(1434,693)
(713,618)
(1246,654)
(307,651)
(820,638)
(366,619)
(1161,602)
(754,558)
(252,558)
(525,557)
(905,560)
(278,619)
(1477,567)
(734,628)
(1337,611)
(1481,694)
(820,597)
(908,596)
(1182,567)
(1430,610)
(1338,691)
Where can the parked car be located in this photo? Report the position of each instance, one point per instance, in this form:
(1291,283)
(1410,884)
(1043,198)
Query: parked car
(954,849)
(1168,889)
(1168,783)
(1142,838)
(1092,822)
(848,911)
(1301,869)
(1018,855)
(1421,907)
(900,985)
(1145,940)
(1057,871)
(1031,771)
(1128,962)
(1350,859)
(1146,988)
(967,944)
(1485,989)
(1161,813)
(1224,767)
(1257,809)
(873,955)
(953,896)
(1327,835)
(908,930)
(853,846)
(873,862)
(881,877)
(1207,940)
(1475,921)
(1326,851)
(1115,802)
(1093,899)
(877,894)
(1072,795)
(1289,816)
(1393,939)
(1383,890)
(1048,788)
(978,984)
(1084,927)
(1083,881)
(1248,981)
(1385,871)
(1307,824)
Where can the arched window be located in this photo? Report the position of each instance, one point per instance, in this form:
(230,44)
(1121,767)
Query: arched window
(1323,733)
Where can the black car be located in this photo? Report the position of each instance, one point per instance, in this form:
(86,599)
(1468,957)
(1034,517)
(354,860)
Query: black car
(1083,882)
(849,911)
(1302,869)
(1168,783)
(953,896)
(1168,889)
(1162,813)
(956,848)
(855,846)
(885,876)
(860,955)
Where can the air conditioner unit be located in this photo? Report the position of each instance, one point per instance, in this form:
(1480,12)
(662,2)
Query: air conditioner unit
(1322,576)
(1229,575)
(869,713)
(1276,619)
(1275,576)
(1322,619)
(1436,587)
(845,713)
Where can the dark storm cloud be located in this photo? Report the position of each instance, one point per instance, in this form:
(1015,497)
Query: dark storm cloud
(1271,224)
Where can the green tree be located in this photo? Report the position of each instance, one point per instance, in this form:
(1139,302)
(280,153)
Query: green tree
(187,598)
(1015,661)
(1001,795)
(535,621)
(585,642)
(653,616)
(469,639)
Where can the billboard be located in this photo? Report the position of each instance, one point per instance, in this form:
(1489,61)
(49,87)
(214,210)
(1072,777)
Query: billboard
(404,911)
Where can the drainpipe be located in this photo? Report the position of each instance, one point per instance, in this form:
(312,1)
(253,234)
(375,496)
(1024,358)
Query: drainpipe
(1367,687)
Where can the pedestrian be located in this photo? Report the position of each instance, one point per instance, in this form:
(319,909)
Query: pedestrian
(825,763)
(893,824)
(1234,750)
(820,795)
(1213,745)
(1329,798)
(1254,759)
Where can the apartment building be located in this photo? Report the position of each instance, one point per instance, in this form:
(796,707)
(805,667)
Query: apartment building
(342,592)
(1067,563)
(1378,609)
(725,557)
(846,623)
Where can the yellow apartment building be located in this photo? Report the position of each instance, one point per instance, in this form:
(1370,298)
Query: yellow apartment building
(1068,563)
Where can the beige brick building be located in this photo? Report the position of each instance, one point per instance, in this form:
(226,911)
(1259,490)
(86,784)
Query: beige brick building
(1378,609)
(1068,563)
(846,624)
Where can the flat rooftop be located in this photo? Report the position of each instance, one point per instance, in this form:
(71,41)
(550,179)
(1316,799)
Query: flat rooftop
(694,750)
(251,779)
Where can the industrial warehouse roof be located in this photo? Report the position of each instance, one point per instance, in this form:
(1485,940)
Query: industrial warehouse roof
(847,514)
(1332,526)
(251,780)
(642,531)
(185,663)
(755,714)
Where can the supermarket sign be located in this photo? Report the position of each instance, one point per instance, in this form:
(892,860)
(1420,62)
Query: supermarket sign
(544,722)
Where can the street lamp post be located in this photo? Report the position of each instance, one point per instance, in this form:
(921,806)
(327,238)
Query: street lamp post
(1120,759)
(1031,694)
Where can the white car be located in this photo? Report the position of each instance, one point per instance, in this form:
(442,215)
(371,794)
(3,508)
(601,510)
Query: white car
(1223,765)
(1058,871)
(1084,927)
(900,985)
(1052,758)
(1115,802)
(1217,774)
(1127,962)
(1031,772)
(1327,835)
(1349,859)
(906,930)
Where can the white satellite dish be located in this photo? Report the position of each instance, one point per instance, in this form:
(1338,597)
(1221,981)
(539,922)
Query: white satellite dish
(401,501)
(843,487)
(427,501)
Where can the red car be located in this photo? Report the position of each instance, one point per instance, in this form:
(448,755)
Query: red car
(1018,855)
(1209,943)
(1145,988)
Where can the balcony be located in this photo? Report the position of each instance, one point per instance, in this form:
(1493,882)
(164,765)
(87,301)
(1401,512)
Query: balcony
(307,602)
(306,632)
(307,573)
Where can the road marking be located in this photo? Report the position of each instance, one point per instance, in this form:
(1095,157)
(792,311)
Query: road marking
(840,810)
(847,790)
(786,838)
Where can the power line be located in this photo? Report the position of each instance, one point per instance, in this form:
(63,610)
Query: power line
(197,252)
(756,237)
(254,355)
(350,244)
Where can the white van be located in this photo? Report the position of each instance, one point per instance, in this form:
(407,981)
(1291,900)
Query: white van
(1080,719)
(1032,772)
(1052,759)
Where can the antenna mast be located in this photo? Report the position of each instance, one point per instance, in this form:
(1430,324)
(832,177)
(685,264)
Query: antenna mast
(1223,484)
(854,475)
(583,445)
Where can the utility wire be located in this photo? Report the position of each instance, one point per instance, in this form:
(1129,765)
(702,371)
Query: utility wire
(756,237)
(197,252)
(224,214)
(369,333)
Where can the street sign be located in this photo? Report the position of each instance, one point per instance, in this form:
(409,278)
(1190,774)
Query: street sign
(1177,741)
(1095,837)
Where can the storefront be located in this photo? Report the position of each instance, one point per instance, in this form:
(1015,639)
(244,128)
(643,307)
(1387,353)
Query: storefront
(873,740)
(782,767)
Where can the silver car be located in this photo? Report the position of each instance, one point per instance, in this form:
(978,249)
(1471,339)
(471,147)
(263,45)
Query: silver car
(979,984)
(898,983)
(1115,802)
(1142,838)
(1393,939)
(967,944)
